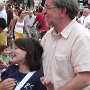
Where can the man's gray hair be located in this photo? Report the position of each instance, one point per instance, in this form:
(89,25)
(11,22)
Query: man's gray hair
(71,6)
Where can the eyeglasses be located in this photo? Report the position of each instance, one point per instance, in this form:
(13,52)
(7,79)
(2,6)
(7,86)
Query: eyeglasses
(49,7)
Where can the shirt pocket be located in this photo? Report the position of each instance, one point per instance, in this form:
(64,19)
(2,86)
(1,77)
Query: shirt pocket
(60,58)
(61,61)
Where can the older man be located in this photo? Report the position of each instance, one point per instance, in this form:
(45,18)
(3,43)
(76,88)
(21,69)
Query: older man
(30,18)
(85,19)
(66,57)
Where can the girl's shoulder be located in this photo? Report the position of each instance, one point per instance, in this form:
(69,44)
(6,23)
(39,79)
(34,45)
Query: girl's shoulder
(12,68)
(38,74)
(9,71)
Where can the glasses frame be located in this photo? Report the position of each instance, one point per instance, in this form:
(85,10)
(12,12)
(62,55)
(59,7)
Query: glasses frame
(49,6)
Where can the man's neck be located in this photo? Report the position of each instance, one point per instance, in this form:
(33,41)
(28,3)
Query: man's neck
(59,28)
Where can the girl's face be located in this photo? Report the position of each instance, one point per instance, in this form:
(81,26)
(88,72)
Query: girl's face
(18,55)
(22,14)
(5,52)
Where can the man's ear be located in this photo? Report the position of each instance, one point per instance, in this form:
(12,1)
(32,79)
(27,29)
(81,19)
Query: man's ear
(63,12)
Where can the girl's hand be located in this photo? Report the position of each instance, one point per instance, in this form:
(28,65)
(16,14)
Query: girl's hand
(48,83)
(7,84)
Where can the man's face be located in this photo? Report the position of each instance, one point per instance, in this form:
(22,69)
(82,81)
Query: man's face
(51,13)
(86,12)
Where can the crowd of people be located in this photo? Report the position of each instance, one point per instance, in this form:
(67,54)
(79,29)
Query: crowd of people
(49,48)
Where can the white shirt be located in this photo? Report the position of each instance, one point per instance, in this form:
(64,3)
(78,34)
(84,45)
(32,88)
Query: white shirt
(19,27)
(29,20)
(84,20)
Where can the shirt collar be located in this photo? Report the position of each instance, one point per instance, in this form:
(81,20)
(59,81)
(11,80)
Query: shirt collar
(66,31)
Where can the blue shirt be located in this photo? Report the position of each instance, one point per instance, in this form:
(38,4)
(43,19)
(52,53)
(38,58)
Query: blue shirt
(33,83)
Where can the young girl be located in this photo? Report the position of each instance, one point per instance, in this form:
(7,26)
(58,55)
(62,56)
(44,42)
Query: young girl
(4,57)
(27,55)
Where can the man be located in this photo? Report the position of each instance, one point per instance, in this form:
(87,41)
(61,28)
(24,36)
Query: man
(29,21)
(9,13)
(85,19)
(43,27)
(66,57)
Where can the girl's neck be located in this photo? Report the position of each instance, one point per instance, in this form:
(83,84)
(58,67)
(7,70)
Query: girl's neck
(23,69)
(20,19)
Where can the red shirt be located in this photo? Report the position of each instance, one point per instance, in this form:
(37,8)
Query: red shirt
(40,17)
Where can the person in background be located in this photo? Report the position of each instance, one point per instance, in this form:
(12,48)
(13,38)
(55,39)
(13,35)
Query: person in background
(27,55)
(9,21)
(66,56)
(30,18)
(43,29)
(3,25)
(19,26)
(9,13)
(85,18)
(3,14)
(7,84)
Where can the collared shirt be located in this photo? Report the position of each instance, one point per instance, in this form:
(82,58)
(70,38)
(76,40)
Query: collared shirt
(66,53)
(84,20)
(29,20)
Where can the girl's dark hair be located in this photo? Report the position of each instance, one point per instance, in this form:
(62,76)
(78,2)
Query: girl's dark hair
(34,52)
(2,47)
(19,12)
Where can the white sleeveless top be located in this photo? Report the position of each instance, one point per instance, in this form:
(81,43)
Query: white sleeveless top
(19,27)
